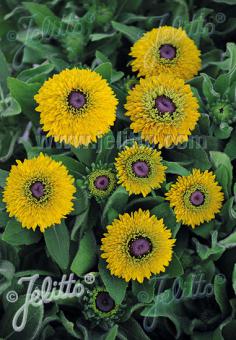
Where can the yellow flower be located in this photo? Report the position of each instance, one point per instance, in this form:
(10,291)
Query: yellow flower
(137,246)
(140,169)
(39,192)
(76,106)
(166,50)
(163,109)
(196,198)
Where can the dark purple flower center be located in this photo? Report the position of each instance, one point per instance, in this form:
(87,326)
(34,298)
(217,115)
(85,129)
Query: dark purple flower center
(101,182)
(140,168)
(76,99)
(37,189)
(104,302)
(165,104)
(197,198)
(140,247)
(167,51)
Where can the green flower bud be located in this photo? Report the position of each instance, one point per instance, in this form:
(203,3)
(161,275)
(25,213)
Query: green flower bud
(130,82)
(74,44)
(100,181)
(103,15)
(100,308)
(222,111)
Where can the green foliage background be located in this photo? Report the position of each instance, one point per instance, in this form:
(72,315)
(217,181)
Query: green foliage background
(40,38)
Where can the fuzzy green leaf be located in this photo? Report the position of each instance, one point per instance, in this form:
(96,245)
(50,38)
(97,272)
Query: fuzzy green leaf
(33,322)
(42,15)
(3,176)
(24,95)
(85,257)
(115,286)
(224,170)
(131,32)
(116,201)
(175,168)
(104,70)
(16,235)
(58,243)
(4,72)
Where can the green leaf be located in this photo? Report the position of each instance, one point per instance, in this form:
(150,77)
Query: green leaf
(133,330)
(58,242)
(205,229)
(214,252)
(76,169)
(69,326)
(16,235)
(145,291)
(204,123)
(220,293)
(231,51)
(33,272)
(7,143)
(222,83)
(9,253)
(175,168)
(105,70)
(115,286)
(7,271)
(193,153)
(101,57)
(85,257)
(4,218)
(3,176)
(80,224)
(132,5)
(81,202)
(208,89)
(165,305)
(116,75)
(112,215)
(131,32)
(43,15)
(230,57)
(175,269)
(86,155)
(228,329)
(116,201)
(234,278)
(33,322)
(223,131)
(4,72)
(210,56)
(228,213)
(224,170)
(112,333)
(105,147)
(224,177)
(12,108)
(164,211)
(101,36)
(229,241)
(145,203)
(231,147)
(35,51)
(24,95)
(228,2)
(36,74)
